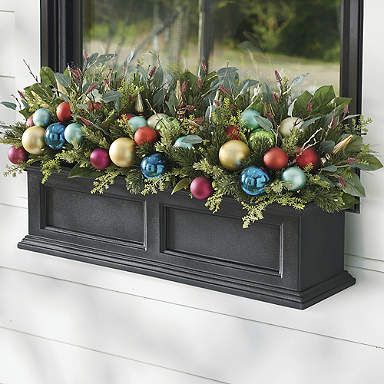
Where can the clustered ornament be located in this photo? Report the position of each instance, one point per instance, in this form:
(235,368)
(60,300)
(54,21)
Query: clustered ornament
(210,133)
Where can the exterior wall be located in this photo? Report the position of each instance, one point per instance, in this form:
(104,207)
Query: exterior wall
(63,321)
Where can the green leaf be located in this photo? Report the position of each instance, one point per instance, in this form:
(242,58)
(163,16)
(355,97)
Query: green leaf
(342,101)
(323,96)
(62,79)
(111,96)
(264,123)
(47,76)
(182,184)
(327,146)
(9,105)
(309,122)
(192,139)
(330,168)
(368,162)
(300,106)
(353,185)
(78,171)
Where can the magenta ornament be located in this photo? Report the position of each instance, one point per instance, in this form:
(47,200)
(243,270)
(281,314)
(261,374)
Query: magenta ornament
(100,158)
(17,155)
(201,188)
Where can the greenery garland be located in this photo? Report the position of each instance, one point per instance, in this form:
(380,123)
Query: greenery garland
(204,112)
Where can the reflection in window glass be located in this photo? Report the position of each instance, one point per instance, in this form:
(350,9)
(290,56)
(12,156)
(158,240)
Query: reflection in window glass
(257,36)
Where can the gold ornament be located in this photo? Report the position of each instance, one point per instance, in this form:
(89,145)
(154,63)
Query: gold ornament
(232,153)
(122,152)
(342,145)
(154,120)
(33,140)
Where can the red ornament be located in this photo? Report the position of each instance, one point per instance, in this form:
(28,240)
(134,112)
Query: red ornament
(100,158)
(29,122)
(63,112)
(201,188)
(145,135)
(17,155)
(94,106)
(307,157)
(233,132)
(275,159)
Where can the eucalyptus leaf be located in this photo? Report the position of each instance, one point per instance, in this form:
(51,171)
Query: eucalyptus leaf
(182,184)
(309,122)
(330,168)
(264,123)
(192,139)
(62,79)
(9,105)
(327,146)
(78,171)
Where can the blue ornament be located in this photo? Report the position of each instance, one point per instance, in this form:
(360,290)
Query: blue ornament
(180,143)
(74,134)
(41,117)
(137,122)
(294,178)
(248,119)
(153,165)
(54,136)
(253,180)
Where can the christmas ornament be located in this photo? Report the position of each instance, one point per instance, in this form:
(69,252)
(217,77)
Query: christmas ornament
(262,136)
(54,136)
(128,115)
(41,117)
(17,155)
(74,134)
(233,132)
(275,159)
(249,119)
(308,157)
(187,141)
(201,188)
(63,112)
(145,135)
(342,144)
(288,124)
(122,152)
(139,105)
(294,177)
(232,153)
(153,165)
(29,122)
(99,158)
(137,122)
(33,140)
(155,119)
(253,180)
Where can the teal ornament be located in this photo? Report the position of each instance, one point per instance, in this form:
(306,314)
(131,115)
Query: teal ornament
(74,134)
(137,122)
(253,180)
(153,165)
(262,136)
(187,141)
(294,178)
(54,136)
(248,118)
(41,117)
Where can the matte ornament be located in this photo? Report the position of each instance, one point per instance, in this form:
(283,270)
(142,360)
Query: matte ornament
(145,135)
(249,119)
(153,165)
(308,157)
(17,155)
(99,158)
(253,181)
(288,124)
(275,159)
(232,154)
(33,140)
(294,178)
(262,136)
(154,120)
(201,188)
(137,122)
(73,134)
(41,117)
(54,136)
(122,152)
(63,112)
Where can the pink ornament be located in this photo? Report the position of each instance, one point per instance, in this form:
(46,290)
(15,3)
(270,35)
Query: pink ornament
(29,122)
(201,188)
(17,155)
(100,158)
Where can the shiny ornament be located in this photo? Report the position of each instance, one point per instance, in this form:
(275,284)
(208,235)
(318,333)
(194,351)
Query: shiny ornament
(288,124)
(154,120)
(54,136)
(249,119)
(267,138)
(201,188)
(122,152)
(99,158)
(33,140)
(41,117)
(153,165)
(74,134)
(232,154)
(275,159)
(145,135)
(342,144)
(294,178)
(137,122)
(308,157)
(63,112)
(17,155)
(233,132)
(29,122)
(253,181)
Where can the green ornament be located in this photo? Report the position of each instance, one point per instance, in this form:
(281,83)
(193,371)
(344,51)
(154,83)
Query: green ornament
(248,118)
(295,178)
(266,138)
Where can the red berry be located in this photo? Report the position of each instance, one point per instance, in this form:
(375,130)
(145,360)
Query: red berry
(63,112)
(275,159)
(17,155)
(308,157)
(233,132)
(145,135)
